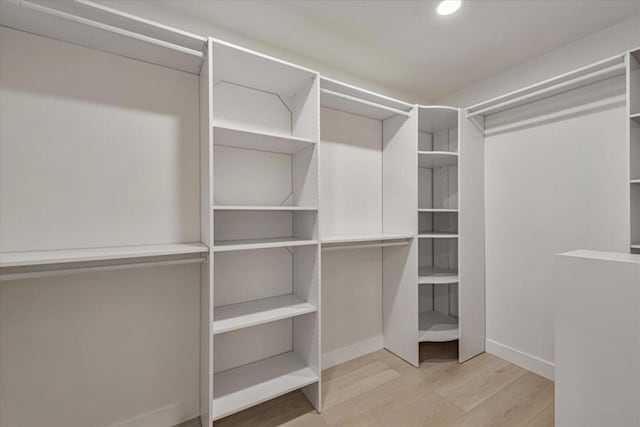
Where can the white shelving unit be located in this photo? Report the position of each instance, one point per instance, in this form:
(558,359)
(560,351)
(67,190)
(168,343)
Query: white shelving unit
(633,110)
(438,213)
(266,292)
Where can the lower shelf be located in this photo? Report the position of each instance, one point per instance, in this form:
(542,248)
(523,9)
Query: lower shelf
(243,315)
(437,327)
(249,385)
(436,276)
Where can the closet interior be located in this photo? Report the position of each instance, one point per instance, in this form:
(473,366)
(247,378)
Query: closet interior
(633,102)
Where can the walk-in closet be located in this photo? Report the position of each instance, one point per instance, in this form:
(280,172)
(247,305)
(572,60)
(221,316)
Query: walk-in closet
(319,213)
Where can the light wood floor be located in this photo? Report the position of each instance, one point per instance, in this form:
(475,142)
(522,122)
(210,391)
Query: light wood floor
(382,390)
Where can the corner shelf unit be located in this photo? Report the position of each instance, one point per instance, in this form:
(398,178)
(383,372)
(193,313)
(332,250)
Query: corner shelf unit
(265,312)
(633,129)
(438,213)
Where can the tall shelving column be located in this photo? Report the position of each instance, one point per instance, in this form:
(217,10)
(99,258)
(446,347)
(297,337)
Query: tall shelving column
(266,252)
(633,110)
(450,230)
(438,224)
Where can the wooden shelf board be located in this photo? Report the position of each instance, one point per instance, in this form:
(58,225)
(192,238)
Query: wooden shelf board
(373,237)
(357,106)
(249,385)
(249,244)
(436,159)
(258,140)
(27,258)
(263,208)
(437,327)
(434,276)
(243,315)
(437,235)
(436,210)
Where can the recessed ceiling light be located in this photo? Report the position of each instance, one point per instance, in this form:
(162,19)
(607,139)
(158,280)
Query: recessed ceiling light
(447,7)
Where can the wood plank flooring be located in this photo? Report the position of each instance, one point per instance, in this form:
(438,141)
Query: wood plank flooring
(381,390)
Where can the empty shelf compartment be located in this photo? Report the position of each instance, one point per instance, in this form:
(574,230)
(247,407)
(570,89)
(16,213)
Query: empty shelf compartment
(243,315)
(437,327)
(249,385)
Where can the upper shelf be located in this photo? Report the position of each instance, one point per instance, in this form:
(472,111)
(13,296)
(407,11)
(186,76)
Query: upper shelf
(30,258)
(635,118)
(361,102)
(372,237)
(96,26)
(255,140)
(437,210)
(575,79)
(240,66)
(436,159)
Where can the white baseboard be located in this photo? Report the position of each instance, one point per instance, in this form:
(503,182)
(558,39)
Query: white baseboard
(165,417)
(531,363)
(352,351)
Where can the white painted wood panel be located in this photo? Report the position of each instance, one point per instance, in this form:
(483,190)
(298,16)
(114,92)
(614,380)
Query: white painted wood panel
(594,385)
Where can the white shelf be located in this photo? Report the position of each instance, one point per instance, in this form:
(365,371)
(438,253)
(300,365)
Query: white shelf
(436,235)
(30,258)
(250,244)
(635,118)
(257,140)
(437,276)
(437,327)
(635,246)
(363,94)
(373,237)
(575,79)
(263,208)
(243,315)
(436,159)
(635,181)
(240,66)
(357,106)
(249,385)
(435,210)
(103,28)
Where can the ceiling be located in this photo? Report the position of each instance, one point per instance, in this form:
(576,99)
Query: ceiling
(405,44)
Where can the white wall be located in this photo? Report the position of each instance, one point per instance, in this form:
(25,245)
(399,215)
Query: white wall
(97,150)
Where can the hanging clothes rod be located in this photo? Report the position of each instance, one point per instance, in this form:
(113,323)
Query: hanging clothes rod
(80,270)
(584,76)
(365,246)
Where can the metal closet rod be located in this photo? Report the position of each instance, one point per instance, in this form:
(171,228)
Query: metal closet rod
(80,270)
